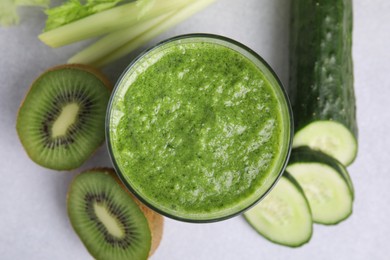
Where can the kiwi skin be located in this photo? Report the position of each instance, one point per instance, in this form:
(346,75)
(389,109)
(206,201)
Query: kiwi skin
(83,67)
(155,220)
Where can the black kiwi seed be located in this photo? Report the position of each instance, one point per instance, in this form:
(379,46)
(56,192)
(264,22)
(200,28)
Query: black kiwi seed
(123,242)
(61,121)
(108,221)
(85,110)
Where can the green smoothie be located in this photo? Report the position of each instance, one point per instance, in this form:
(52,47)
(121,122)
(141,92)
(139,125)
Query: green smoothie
(199,128)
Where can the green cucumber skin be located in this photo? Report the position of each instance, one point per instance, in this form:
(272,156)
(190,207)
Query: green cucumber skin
(291,179)
(321,67)
(306,155)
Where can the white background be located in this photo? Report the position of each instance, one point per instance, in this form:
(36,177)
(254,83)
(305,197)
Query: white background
(33,219)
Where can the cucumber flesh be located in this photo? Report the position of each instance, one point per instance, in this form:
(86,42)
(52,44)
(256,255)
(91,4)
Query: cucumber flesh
(283,216)
(328,190)
(329,137)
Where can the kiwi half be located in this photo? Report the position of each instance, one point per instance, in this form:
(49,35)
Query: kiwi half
(108,221)
(61,120)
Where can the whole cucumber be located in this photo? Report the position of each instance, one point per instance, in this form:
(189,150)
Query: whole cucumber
(321,77)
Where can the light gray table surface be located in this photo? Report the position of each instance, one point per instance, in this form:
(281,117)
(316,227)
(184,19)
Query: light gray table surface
(33,219)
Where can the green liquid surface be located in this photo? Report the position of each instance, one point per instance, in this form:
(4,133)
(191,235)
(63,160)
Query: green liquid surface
(197,130)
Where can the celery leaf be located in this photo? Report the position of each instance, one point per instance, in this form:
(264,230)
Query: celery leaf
(8,10)
(73,10)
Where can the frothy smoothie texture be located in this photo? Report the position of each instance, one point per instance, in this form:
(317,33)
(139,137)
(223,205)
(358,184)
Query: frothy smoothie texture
(199,128)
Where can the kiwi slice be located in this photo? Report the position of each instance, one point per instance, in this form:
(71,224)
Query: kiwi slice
(108,221)
(61,120)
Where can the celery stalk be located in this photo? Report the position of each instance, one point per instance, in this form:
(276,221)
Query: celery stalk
(169,22)
(114,40)
(108,21)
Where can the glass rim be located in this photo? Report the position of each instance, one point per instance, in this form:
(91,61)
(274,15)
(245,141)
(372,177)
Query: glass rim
(256,56)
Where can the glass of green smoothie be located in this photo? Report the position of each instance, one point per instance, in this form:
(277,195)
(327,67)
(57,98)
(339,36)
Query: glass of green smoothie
(199,128)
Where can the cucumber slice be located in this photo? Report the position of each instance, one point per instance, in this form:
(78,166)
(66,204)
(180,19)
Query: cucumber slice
(329,137)
(326,184)
(283,216)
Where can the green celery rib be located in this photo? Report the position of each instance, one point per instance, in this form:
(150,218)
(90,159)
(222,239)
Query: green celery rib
(114,40)
(169,22)
(108,21)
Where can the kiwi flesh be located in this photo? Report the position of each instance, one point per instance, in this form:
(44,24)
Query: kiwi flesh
(155,220)
(156,225)
(108,221)
(61,120)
